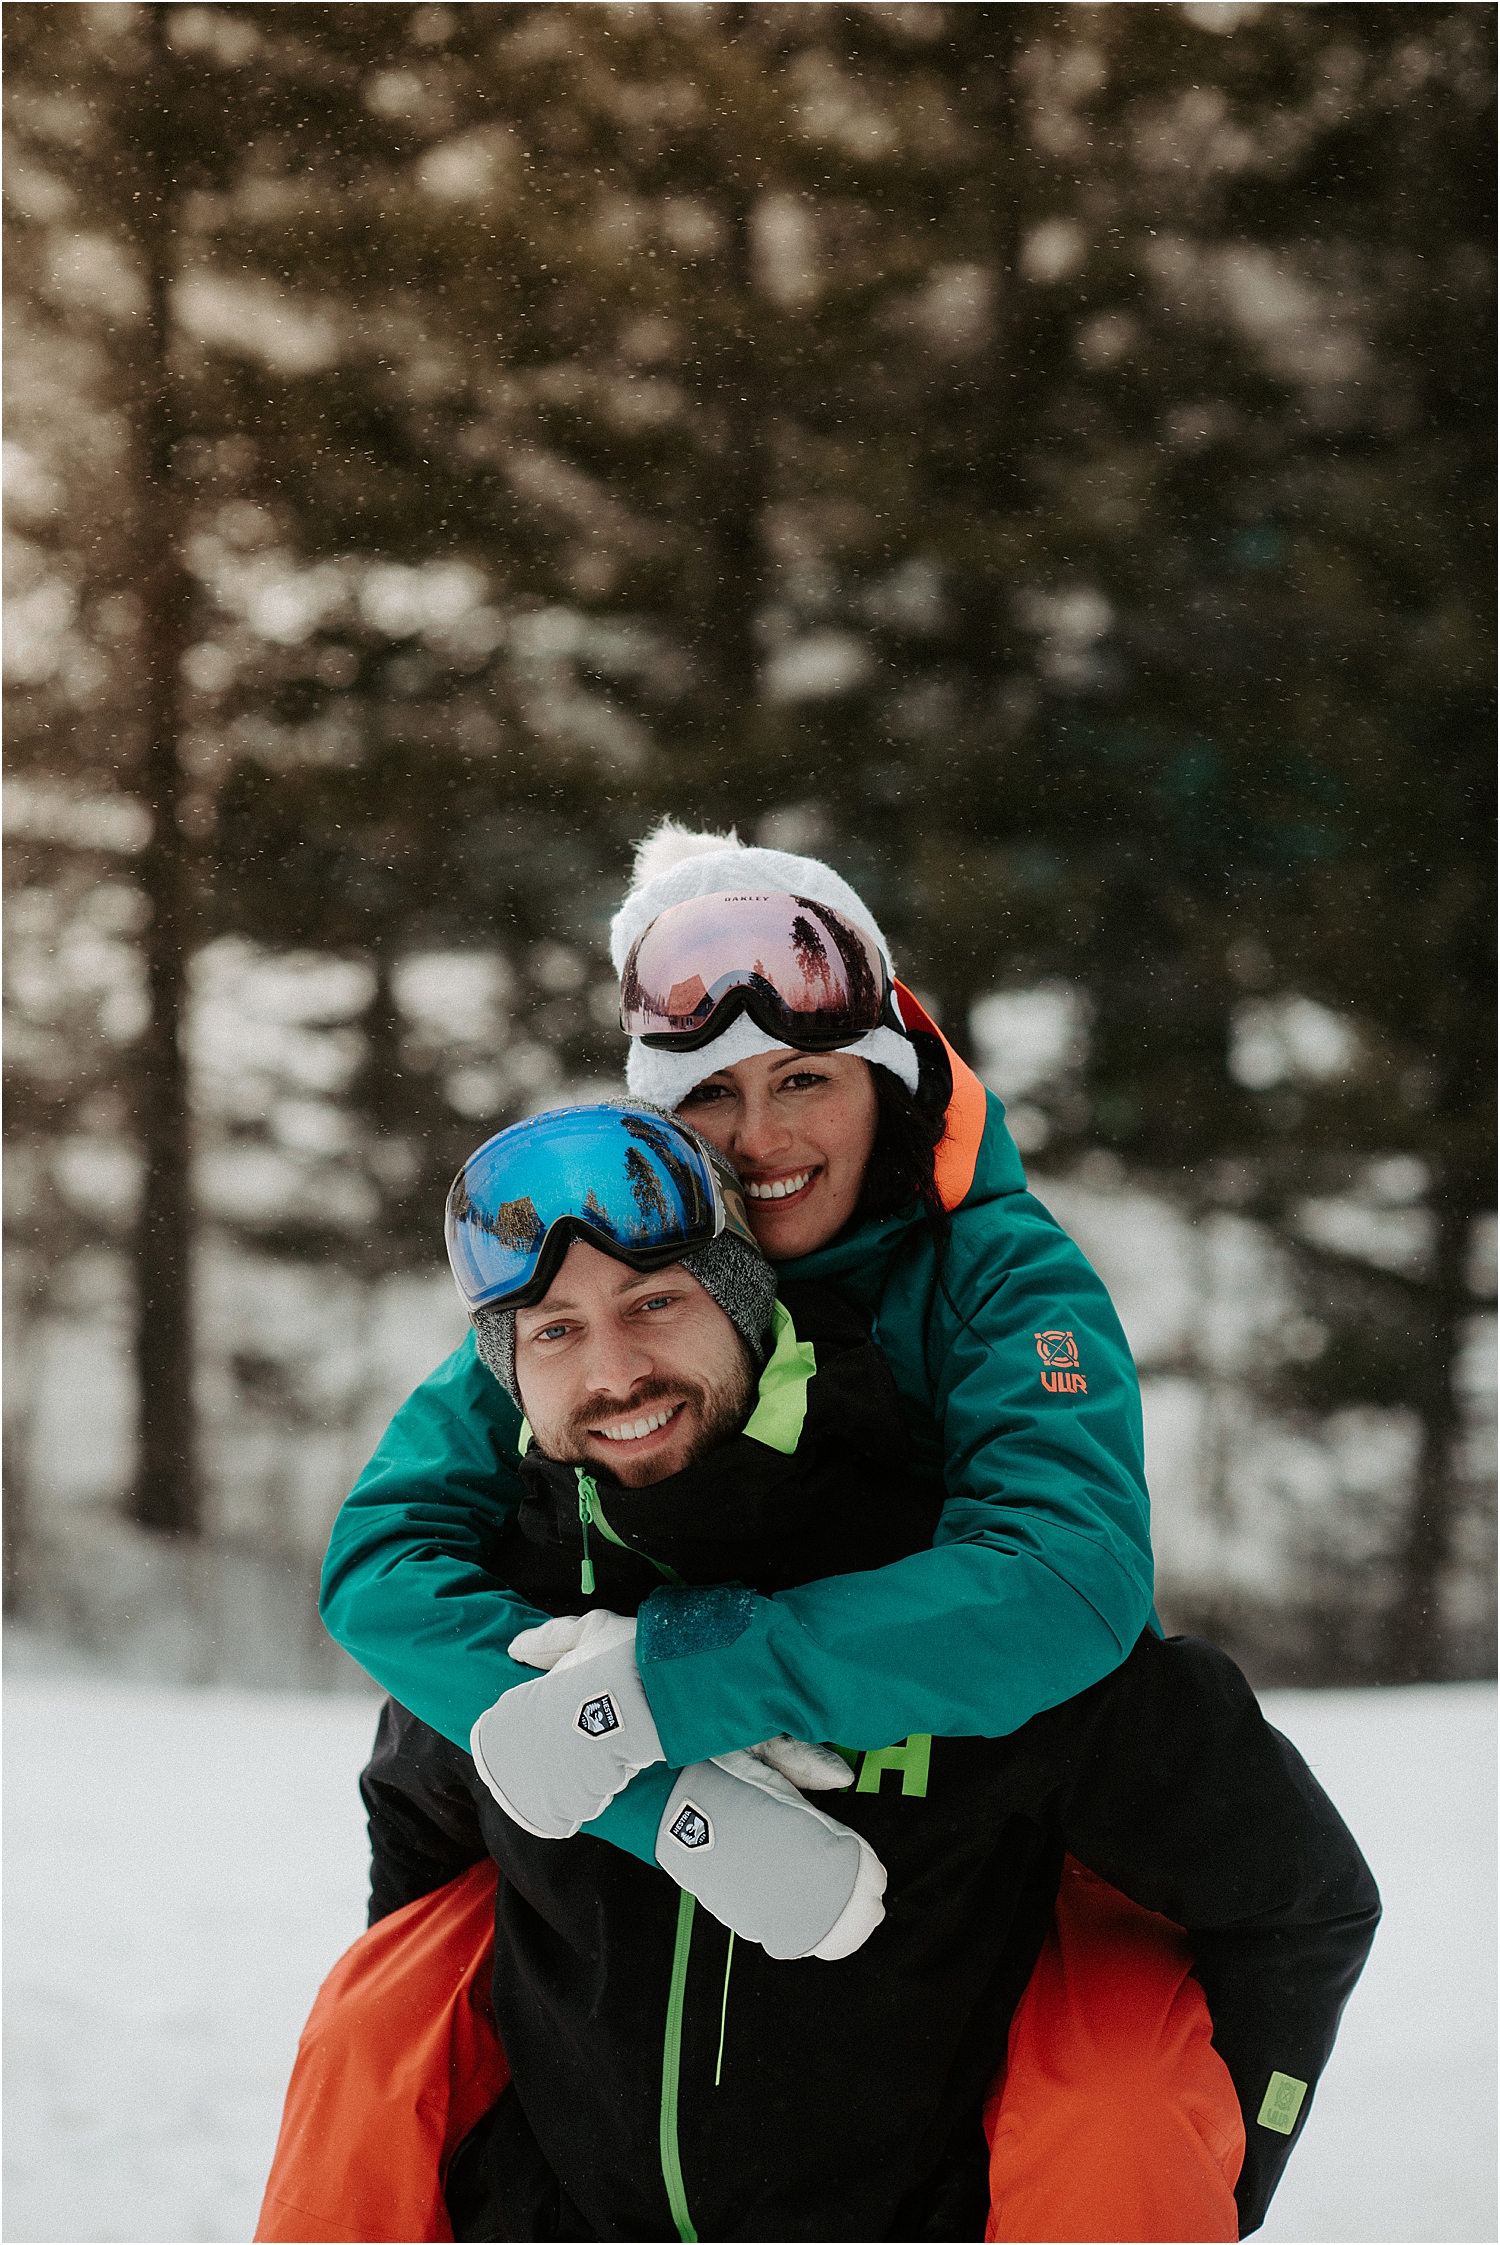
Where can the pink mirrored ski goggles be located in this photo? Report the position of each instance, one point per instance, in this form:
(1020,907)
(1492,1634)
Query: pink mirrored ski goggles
(805,974)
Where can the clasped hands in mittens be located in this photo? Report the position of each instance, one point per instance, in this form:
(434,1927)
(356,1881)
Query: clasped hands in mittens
(736,1832)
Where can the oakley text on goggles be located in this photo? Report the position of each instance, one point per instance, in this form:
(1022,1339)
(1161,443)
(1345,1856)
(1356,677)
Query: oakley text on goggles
(804,973)
(622,1179)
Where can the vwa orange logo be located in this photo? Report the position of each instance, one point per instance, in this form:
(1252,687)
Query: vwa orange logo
(1059,1354)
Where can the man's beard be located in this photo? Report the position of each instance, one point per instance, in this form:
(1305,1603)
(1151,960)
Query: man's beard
(719,1413)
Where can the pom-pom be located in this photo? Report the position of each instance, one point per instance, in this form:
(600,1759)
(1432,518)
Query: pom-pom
(668,843)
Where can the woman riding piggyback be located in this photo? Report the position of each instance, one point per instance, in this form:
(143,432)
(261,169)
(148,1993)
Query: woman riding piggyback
(762,1006)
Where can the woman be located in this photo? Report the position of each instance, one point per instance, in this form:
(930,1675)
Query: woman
(881,1165)
(1018,1381)
(874,1160)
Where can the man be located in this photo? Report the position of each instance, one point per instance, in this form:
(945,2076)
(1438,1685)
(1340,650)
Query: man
(835,2072)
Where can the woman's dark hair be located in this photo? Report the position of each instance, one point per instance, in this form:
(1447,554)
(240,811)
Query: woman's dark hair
(908,1130)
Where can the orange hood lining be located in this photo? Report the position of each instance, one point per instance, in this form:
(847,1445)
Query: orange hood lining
(958,1153)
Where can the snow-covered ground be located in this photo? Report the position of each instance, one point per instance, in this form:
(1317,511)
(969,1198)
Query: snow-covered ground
(182,1868)
(1401,2142)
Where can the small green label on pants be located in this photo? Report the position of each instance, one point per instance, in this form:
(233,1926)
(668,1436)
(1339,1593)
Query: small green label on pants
(1282,2103)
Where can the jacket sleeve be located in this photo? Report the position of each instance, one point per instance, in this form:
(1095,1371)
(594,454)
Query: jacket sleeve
(424,1827)
(406,1585)
(1039,1579)
(1169,1783)
(407,1589)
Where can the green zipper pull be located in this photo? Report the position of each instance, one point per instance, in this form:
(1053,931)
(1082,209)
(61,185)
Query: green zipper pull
(586,1495)
(591,1512)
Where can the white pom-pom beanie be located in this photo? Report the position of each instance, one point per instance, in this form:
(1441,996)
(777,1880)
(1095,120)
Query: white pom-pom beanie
(674,864)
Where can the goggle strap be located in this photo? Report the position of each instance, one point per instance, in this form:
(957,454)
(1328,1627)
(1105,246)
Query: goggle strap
(791,1028)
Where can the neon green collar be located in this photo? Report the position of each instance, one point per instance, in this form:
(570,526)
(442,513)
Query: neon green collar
(777,1418)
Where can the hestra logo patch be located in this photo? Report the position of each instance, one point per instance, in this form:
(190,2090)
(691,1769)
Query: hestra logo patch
(691,1828)
(1059,1354)
(598,1716)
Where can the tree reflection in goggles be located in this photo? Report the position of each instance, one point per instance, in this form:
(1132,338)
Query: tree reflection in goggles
(802,971)
(622,1179)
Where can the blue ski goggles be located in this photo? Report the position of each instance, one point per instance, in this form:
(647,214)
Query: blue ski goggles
(625,1180)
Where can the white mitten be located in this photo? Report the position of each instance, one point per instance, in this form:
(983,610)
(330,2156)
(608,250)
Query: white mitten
(766,1863)
(555,1753)
(551,1641)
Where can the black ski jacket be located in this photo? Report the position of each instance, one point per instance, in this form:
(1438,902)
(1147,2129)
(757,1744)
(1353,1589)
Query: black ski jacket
(807,2100)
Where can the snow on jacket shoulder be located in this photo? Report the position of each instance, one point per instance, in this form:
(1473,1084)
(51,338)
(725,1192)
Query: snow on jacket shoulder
(1018,1385)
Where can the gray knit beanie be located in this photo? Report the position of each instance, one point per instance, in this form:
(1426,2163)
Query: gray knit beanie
(737,1275)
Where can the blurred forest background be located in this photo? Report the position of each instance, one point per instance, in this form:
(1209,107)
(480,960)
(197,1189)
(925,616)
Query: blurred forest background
(1039,457)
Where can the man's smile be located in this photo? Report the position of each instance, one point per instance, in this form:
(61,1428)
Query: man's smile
(641,1430)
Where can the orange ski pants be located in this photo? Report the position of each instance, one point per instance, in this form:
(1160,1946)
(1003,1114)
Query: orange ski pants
(1113,2118)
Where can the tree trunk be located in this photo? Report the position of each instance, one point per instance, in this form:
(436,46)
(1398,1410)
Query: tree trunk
(980,57)
(13,1524)
(737,503)
(729,591)
(1416,1634)
(166,1493)
(987,48)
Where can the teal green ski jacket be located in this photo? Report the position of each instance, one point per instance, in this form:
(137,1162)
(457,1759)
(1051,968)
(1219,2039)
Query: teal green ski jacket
(1020,1393)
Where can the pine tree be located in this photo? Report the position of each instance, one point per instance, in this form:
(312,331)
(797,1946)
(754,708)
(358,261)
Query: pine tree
(1032,454)
(126,124)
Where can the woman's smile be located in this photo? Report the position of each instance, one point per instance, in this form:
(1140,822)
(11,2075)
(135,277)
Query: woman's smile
(790,1186)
